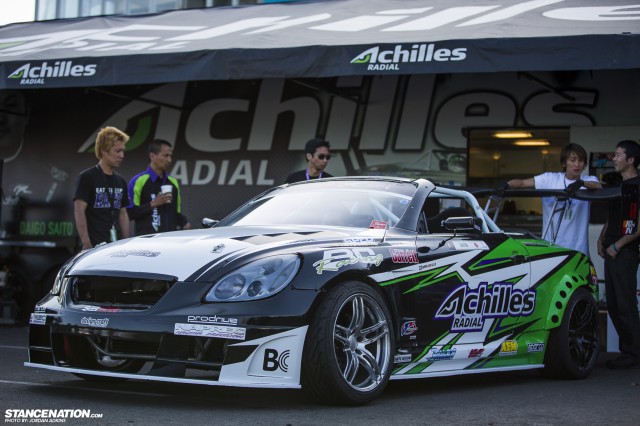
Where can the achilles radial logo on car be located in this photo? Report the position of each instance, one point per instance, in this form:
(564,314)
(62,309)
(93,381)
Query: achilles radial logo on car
(470,307)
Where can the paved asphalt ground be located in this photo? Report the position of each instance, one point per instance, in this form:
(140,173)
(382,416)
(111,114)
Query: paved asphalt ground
(516,398)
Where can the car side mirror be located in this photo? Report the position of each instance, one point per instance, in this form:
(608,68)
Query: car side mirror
(466,223)
(209,223)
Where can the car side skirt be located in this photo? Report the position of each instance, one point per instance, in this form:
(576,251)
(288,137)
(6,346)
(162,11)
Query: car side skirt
(449,373)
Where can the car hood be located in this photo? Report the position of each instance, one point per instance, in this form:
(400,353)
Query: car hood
(181,253)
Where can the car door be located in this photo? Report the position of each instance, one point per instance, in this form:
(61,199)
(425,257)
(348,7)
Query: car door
(470,293)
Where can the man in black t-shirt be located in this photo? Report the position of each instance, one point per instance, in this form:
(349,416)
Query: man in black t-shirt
(101,200)
(618,244)
(317,154)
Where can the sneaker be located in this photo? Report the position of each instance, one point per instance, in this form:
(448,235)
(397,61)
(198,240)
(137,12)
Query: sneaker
(623,362)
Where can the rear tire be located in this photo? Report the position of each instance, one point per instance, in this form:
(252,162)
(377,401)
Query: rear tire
(348,353)
(573,346)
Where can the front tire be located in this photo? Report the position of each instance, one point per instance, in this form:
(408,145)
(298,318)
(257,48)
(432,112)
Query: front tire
(573,346)
(348,354)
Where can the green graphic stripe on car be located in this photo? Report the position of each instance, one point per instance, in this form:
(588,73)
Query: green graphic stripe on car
(501,329)
(514,280)
(419,368)
(427,281)
(578,264)
(429,273)
(498,256)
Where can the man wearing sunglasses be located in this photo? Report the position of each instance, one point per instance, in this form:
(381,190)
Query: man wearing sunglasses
(318,155)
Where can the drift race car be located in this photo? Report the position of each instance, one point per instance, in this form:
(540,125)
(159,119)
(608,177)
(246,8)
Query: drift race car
(334,286)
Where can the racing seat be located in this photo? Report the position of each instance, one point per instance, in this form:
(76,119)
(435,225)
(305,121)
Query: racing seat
(434,224)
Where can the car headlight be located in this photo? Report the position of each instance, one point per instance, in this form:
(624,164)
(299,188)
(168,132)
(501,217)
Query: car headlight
(256,280)
(57,283)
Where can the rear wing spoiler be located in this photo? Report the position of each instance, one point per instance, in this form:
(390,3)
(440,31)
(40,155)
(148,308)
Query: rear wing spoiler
(550,233)
(582,194)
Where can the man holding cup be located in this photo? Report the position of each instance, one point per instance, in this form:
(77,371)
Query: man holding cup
(155,196)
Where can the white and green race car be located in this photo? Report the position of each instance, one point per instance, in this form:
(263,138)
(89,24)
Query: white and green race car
(335,286)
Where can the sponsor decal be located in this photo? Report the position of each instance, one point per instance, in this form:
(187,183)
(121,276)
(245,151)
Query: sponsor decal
(594,275)
(476,353)
(141,253)
(402,358)
(427,266)
(359,240)
(378,224)
(470,307)
(333,260)
(467,245)
(408,328)
(99,309)
(628,227)
(211,319)
(535,347)
(390,60)
(273,360)
(300,241)
(209,330)
(35,74)
(404,256)
(441,354)
(509,347)
(38,319)
(273,356)
(95,322)
(218,249)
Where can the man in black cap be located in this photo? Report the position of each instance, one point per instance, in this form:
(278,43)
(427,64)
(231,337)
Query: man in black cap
(317,153)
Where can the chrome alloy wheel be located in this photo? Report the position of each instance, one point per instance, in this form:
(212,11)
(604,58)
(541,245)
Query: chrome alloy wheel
(362,342)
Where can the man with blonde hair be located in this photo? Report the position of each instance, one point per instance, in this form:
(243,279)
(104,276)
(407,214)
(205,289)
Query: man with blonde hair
(100,201)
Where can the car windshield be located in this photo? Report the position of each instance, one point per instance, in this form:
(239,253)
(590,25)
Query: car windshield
(361,204)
